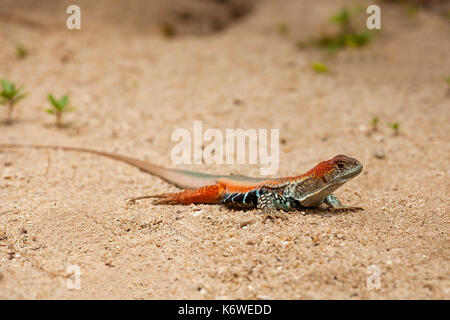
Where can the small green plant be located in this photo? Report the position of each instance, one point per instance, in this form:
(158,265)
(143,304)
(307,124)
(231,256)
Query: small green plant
(21,51)
(395,126)
(447,80)
(319,67)
(59,107)
(374,123)
(358,39)
(10,96)
(346,36)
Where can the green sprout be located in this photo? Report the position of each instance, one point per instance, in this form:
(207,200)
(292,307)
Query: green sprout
(356,40)
(374,123)
(346,36)
(319,67)
(330,42)
(343,18)
(395,126)
(58,108)
(21,51)
(10,96)
(447,80)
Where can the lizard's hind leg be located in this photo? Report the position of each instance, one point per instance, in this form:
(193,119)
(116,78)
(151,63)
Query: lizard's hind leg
(206,194)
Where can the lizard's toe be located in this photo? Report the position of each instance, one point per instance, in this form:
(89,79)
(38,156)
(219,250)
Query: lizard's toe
(273,216)
(346,209)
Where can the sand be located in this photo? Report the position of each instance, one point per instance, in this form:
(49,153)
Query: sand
(228,67)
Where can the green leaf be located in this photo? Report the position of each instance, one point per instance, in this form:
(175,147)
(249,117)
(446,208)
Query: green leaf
(375,121)
(342,17)
(7,86)
(53,101)
(331,42)
(10,93)
(319,67)
(50,111)
(5,95)
(394,125)
(358,39)
(63,101)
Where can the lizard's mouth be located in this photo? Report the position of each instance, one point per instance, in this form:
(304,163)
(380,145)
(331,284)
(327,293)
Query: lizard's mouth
(349,174)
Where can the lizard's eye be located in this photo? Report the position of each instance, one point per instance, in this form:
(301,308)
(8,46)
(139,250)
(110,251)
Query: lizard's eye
(340,165)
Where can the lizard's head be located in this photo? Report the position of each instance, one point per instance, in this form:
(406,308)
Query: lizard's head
(337,170)
(325,178)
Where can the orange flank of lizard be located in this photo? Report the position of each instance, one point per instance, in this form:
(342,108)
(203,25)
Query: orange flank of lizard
(206,194)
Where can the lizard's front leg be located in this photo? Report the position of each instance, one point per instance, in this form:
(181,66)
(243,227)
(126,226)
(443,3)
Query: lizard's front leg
(333,202)
(270,202)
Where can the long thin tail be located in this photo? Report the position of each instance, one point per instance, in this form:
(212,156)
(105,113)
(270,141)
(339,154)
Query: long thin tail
(180,178)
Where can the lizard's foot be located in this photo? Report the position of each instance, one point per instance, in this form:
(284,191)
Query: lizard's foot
(337,206)
(269,205)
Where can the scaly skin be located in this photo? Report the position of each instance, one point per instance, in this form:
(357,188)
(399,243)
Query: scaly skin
(269,195)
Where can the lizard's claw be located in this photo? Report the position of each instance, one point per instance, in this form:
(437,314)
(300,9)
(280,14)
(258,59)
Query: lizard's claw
(131,201)
(274,216)
(346,209)
(166,198)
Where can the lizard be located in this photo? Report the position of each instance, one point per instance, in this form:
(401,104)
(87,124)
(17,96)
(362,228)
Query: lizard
(269,195)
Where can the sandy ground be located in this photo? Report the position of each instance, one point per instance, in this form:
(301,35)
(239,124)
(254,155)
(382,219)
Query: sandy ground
(132,87)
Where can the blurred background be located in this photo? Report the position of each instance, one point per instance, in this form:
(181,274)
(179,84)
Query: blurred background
(137,70)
